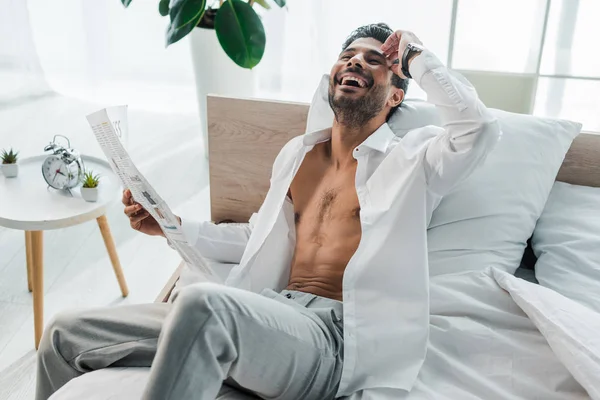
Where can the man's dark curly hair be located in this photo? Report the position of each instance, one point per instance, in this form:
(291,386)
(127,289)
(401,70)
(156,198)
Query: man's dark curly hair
(379,32)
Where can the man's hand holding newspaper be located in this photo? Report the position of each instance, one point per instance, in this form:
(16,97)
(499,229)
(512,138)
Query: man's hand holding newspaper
(139,218)
(147,211)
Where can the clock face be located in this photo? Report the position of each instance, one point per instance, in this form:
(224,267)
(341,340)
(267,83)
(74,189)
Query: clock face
(56,173)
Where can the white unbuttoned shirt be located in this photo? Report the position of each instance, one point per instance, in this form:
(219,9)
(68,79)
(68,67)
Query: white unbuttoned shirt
(399,182)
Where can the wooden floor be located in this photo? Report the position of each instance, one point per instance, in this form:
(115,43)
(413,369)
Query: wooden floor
(167,148)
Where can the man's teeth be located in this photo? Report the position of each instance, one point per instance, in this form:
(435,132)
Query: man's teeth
(360,82)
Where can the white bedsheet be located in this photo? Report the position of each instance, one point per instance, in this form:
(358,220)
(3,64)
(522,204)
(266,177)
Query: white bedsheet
(493,336)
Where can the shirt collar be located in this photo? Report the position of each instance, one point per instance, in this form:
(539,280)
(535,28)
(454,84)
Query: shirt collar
(378,140)
(312,138)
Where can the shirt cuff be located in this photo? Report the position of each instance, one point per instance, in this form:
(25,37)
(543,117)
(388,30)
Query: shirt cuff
(191,231)
(423,63)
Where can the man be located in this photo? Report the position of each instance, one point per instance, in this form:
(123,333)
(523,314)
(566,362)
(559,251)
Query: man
(341,236)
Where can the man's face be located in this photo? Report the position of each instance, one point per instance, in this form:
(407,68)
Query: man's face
(360,84)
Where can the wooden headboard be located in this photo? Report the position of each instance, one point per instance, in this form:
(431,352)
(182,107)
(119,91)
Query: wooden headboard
(245,136)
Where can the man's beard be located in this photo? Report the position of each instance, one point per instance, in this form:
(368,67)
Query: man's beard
(356,112)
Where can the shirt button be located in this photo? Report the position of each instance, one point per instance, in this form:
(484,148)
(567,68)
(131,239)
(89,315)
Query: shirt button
(289,296)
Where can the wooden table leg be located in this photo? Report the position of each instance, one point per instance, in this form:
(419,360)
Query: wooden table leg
(29,256)
(112,253)
(37,279)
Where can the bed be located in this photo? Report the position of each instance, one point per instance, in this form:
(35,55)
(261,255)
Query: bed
(472,353)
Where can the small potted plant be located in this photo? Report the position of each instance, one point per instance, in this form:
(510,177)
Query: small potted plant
(10,168)
(89,190)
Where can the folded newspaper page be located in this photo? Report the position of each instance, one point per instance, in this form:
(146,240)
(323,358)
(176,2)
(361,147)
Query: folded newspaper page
(109,125)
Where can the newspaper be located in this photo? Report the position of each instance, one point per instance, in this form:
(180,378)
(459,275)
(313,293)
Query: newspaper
(110,126)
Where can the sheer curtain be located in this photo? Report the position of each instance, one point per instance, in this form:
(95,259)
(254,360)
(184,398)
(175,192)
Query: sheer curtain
(21,76)
(101,52)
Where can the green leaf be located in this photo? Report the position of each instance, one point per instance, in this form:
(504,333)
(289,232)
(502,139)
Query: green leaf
(263,4)
(126,3)
(280,3)
(240,32)
(185,15)
(163,7)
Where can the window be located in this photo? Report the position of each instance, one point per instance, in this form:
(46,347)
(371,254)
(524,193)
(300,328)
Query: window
(571,45)
(575,99)
(491,36)
(547,47)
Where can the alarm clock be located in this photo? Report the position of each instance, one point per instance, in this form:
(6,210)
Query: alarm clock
(63,169)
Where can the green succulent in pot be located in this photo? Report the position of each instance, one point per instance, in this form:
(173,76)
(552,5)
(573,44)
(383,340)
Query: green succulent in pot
(9,165)
(89,189)
(90,180)
(9,157)
(238,27)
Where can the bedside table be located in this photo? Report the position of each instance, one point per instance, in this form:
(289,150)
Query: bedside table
(28,204)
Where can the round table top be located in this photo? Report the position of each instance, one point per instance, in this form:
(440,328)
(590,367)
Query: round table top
(28,203)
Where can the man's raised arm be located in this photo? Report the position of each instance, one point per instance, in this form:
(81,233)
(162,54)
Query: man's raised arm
(471,131)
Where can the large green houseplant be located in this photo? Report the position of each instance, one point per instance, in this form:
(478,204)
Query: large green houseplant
(239,29)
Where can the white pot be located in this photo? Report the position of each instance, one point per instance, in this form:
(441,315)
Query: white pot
(10,170)
(216,73)
(89,194)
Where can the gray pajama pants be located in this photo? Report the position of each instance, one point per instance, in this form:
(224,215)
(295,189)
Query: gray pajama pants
(286,345)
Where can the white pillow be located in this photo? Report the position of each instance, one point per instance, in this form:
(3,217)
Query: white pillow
(566,241)
(487,219)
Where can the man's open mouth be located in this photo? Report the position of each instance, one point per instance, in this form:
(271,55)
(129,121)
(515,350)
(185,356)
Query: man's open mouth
(352,79)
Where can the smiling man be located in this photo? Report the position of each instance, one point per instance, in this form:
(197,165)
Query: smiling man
(330,297)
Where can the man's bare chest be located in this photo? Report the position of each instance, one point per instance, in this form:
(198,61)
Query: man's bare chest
(323,194)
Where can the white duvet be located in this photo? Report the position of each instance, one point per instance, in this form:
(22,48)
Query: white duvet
(492,336)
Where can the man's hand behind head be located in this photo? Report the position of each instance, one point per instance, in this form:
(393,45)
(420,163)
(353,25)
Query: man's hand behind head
(394,47)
